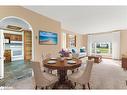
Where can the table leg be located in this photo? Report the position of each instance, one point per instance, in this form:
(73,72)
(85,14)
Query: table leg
(63,82)
(62,74)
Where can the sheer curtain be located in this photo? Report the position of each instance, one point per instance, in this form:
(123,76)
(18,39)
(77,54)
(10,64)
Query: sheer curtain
(89,45)
(116,45)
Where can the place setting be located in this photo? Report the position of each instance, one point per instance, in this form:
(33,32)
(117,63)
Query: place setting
(53,58)
(51,62)
(71,62)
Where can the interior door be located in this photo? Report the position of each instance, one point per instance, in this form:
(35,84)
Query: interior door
(1,54)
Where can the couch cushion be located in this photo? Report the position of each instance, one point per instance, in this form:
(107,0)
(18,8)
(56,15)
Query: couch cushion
(73,51)
(82,50)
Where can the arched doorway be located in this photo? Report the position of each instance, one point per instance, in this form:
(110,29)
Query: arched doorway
(19,27)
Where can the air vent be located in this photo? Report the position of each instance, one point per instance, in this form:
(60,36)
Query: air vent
(15,28)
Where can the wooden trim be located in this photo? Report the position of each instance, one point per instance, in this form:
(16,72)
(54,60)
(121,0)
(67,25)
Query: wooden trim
(27,45)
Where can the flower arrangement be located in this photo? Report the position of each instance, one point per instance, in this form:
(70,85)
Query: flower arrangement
(64,53)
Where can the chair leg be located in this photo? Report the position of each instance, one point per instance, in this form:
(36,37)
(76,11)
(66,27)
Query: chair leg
(72,71)
(89,85)
(51,71)
(83,86)
(48,71)
(46,87)
(42,87)
(36,87)
(74,83)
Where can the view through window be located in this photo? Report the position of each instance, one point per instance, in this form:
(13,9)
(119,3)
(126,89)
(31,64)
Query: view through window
(102,48)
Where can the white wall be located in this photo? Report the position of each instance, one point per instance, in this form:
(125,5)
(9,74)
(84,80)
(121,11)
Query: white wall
(63,37)
(1,55)
(105,37)
(116,45)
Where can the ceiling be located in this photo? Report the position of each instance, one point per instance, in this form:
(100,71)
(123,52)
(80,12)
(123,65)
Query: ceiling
(86,19)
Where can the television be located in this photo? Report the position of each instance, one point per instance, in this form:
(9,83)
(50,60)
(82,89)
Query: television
(48,38)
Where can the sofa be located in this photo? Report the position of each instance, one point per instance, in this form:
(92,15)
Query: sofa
(78,53)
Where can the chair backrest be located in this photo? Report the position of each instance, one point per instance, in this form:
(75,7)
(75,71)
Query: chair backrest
(87,71)
(45,56)
(37,72)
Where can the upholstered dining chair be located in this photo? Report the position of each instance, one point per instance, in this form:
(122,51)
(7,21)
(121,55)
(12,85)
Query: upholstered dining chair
(45,56)
(42,80)
(83,78)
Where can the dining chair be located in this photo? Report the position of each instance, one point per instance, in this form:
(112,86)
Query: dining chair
(42,80)
(75,70)
(83,78)
(45,56)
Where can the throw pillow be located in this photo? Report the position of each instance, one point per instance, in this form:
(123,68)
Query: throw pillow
(82,50)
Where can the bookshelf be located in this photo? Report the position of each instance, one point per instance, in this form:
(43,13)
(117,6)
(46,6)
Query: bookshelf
(27,45)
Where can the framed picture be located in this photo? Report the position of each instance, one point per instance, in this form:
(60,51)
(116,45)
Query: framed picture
(48,38)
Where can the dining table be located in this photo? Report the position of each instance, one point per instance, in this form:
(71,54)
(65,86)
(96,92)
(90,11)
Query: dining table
(62,65)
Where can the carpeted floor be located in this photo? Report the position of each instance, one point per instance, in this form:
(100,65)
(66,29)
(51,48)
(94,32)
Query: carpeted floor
(106,75)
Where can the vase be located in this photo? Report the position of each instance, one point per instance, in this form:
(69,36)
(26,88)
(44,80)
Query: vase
(62,59)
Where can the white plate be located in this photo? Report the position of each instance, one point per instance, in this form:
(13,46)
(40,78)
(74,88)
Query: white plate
(71,62)
(53,58)
(51,62)
(69,58)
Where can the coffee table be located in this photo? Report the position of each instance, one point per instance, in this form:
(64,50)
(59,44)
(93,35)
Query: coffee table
(97,58)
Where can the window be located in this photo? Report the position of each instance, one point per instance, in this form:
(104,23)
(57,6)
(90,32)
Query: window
(102,48)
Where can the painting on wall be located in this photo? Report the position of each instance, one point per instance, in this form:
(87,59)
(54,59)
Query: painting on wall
(48,38)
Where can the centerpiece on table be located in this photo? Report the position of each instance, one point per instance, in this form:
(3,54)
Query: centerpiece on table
(64,53)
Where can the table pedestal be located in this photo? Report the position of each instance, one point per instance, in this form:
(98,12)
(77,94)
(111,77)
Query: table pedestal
(62,66)
(63,82)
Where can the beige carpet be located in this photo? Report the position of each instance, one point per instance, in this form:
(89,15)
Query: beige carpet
(106,75)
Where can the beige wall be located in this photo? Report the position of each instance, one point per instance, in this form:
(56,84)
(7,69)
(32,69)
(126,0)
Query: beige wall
(123,42)
(85,39)
(38,22)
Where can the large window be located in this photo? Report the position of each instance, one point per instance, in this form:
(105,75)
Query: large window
(102,48)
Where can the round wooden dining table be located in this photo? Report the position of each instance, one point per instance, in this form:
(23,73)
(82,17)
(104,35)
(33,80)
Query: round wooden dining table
(62,66)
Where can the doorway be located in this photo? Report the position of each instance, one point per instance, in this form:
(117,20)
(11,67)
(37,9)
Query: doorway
(17,46)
